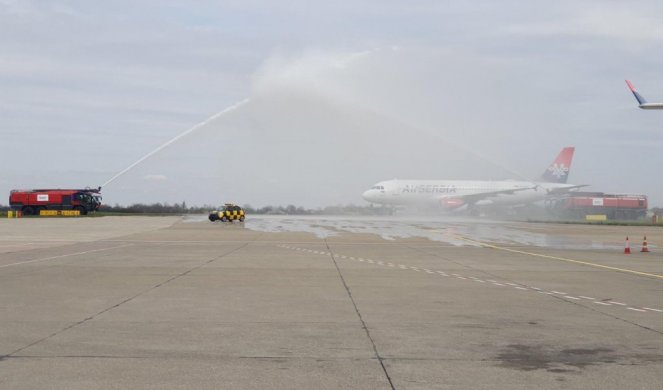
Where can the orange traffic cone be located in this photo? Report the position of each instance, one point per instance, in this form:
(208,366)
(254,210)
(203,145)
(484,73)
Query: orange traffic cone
(627,247)
(645,248)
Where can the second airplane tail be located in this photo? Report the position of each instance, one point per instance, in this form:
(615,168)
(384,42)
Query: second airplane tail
(558,171)
(638,97)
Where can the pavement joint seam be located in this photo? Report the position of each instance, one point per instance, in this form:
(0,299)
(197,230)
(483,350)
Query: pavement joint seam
(361,319)
(75,324)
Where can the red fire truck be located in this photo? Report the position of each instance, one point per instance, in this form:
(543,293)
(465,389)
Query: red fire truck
(31,202)
(613,206)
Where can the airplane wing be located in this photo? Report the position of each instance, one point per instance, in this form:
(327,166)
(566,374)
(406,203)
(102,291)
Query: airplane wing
(566,189)
(457,201)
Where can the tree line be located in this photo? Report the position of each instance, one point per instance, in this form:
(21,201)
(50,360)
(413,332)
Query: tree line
(182,208)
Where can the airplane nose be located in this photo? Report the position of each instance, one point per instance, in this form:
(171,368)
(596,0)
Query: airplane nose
(367,195)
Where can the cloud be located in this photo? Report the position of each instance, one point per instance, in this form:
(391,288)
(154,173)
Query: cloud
(617,20)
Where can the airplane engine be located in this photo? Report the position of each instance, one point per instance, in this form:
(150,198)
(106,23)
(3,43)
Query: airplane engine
(452,203)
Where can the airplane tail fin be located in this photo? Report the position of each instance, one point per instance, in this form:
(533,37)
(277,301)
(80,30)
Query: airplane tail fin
(638,97)
(558,171)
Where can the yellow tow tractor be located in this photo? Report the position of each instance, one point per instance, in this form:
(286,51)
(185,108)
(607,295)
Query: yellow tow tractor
(230,212)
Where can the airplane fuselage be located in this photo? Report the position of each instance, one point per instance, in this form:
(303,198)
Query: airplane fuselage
(455,193)
(651,106)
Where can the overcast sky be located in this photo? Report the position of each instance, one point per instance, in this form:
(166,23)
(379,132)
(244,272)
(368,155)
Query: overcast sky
(341,95)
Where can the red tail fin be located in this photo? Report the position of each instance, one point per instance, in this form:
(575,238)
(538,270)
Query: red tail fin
(559,170)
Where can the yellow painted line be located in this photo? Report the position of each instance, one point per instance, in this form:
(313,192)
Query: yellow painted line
(587,263)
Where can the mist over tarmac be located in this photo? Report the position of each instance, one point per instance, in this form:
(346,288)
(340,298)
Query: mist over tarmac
(321,127)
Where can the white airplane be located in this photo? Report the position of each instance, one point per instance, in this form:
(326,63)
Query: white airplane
(642,103)
(457,194)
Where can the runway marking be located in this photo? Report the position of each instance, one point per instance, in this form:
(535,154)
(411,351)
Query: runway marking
(587,263)
(475,279)
(62,256)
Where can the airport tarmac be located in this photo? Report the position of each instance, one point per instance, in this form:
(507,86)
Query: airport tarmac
(327,303)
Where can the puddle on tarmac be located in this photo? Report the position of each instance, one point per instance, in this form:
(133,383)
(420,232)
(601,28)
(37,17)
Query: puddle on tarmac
(448,230)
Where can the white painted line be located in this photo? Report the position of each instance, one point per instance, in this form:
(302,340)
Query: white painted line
(414,269)
(498,284)
(370,261)
(455,275)
(558,292)
(426,269)
(401,266)
(479,280)
(442,273)
(617,303)
(603,303)
(633,308)
(379,263)
(511,284)
(492,281)
(520,288)
(352,258)
(545,292)
(429,272)
(584,297)
(535,288)
(460,277)
(570,297)
(62,256)
(649,308)
(391,265)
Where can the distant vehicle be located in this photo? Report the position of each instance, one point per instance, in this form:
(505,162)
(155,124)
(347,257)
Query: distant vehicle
(642,103)
(612,206)
(457,194)
(31,202)
(230,212)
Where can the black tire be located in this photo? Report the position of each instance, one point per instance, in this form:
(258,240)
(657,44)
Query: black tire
(28,210)
(38,210)
(82,210)
(241,218)
(213,217)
